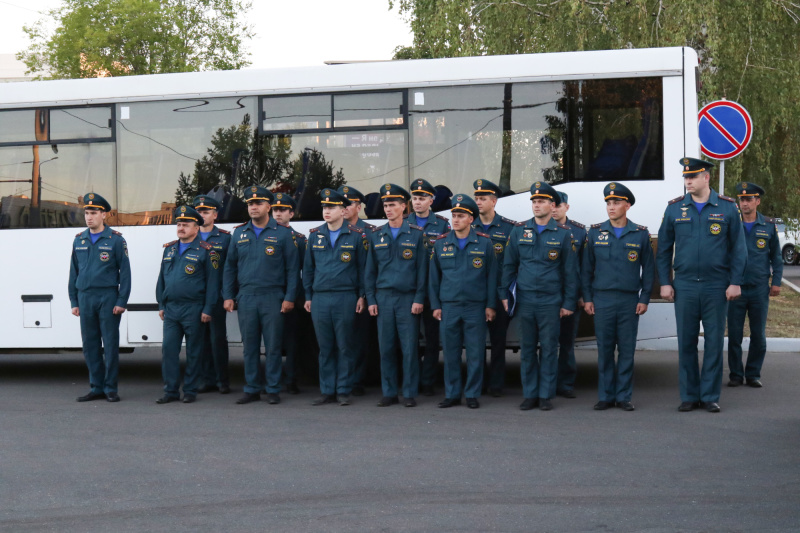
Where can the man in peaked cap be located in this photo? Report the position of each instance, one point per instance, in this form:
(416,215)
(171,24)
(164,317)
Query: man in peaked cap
(704,231)
(261,276)
(433,226)
(498,229)
(214,362)
(763,259)
(99,287)
(187,291)
(618,273)
(462,289)
(541,258)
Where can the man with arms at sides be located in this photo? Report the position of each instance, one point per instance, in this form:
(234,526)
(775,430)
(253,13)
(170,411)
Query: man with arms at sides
(214,366)
(704,230)
(433,226)
(187,291)
(99,287)
(462,289)
(540,257)
(618,273)
(333,277)
(763,258)
(261,276)
(396,282)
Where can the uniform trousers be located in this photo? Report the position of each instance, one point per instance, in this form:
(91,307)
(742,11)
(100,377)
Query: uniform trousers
(754,302)
(182,320)
(567,367)
(538,324)
(430,355)
(334,315)
(260,318)
(99,323)
(616,325)
(463,325)
(215,348)
(498,330)
(397,327)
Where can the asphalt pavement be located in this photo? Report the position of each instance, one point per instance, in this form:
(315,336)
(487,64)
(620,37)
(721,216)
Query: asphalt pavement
(214,465)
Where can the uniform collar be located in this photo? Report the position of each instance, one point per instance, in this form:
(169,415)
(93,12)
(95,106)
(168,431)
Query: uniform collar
(551,224)
(452,239)
(713,199)
(495,221)
(194,245)
(106,233)
(387,229)
(342,230)
(630,226)
(271,224)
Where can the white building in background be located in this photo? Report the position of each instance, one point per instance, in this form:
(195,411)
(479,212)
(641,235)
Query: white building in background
(12,70)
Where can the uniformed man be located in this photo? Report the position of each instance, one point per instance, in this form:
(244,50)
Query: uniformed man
(366,338)
(262,272)
(618,273)
(433,226)
(568,331)
(463,292)
(704,230)
(333,278)
(396,282)
(283,211)
(498,229)
(540,256)
(763,256)
(186,292)
(99,287)
(214,365)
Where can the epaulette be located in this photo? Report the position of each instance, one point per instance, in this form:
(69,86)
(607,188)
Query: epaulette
(768,220)
(596,225)
(355,228)
(508,220)
(313,230)
(564,226)
(204,244)
(577,224)
(482,234)
(414,226)
(169,243)
(370,226)
(78,234)
(519,223)
(406,215)
(440,217)
(226,232)
(115,232)
(442,236)
(678,199)
(728,198)
(298,234)
(644,228)
(240,225)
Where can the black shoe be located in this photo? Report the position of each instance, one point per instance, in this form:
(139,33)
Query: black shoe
(273,398)
(735,383)
(566,393)
(386,401)
(343,399)
(325,398)
(409,402)
(92,396)
(112,397)
(449,402)
(358,390)
(248,398)
(755,383)
(427,390)
(528,404)
(292,388)
(685,407)
(207,388)
(496,393)
(189,399)
(711,407)
(225,389)
(626,406)
(602,406)
(545,404)
(472,403)
(167,399)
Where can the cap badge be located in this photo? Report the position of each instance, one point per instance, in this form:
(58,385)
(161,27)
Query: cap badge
(253,189)
(346,189)
(459,198)
(327,192)
(183,209)
(744,185)
(91,196)
(612,186)
(537,185)
(480,182)
(388,186)
(686,162)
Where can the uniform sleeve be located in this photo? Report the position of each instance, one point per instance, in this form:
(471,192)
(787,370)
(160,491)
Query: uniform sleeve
(291,266)
(212,285)
(230,272)
(737,247)
(308,271)
(510,264)
(434,281)
(363,250)
(422,270)
(446,226)
(587,269)
(124,291)
(371,276)
(491,289)
(160,285)
(648,269)
(775,258)
(666,243)
(72,287)
(571,275)
(579,238)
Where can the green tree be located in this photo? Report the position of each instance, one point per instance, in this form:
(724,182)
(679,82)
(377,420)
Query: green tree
(749,52)
(127,37)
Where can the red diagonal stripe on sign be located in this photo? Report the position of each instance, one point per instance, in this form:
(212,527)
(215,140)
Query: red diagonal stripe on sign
(722,129)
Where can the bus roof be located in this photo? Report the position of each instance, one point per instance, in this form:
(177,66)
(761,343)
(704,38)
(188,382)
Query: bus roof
(353,77)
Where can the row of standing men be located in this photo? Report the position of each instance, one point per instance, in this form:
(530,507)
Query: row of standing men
(459,280)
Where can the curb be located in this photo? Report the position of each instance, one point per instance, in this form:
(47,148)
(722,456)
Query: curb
(670,344)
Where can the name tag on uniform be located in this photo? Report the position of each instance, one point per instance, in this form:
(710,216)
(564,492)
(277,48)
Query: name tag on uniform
(602,243)
(523,240)
(719,218)
(683,220)
(553,243)
(271,239)
(318,246)
(632,245)
(447,254)
(476,252)
(381,245)
(242,241)
(191,257)
(409,244)
(81,247)
(347,247)
(105,248)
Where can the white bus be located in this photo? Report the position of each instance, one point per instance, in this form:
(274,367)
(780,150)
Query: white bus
(576,120)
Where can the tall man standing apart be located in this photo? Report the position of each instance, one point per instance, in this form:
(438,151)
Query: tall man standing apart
(617,274)
(333,278)
(99,287)
(705,232)
(214,365)
(261,274)
(187,291)
(541,258)
(567,368)
(433,226)
(396,278)
(463,291)
(499,230)
(763,256)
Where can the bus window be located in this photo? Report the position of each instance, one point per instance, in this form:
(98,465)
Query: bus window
(296,113)
(80,123)
(42,186)
(368,109)
(23,125)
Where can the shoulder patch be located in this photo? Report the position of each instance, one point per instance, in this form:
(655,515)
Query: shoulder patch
(440,237)
(224,231)
(240,225)
(478,233)
(414,226)
(577,224)
(313,230)
(169,243)
(728,198)
(204,244)
(674,200)
(115,232)
(355,228)
(596,225)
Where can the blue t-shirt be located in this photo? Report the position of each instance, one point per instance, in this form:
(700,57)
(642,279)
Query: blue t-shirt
(204,235)
(422,221)
(486,227)
(334,236)
(540,228)
(618,232)
(749,225)
(396,231)
(182,247)
(462,242)
(258,230)
(700,206)
(95,236)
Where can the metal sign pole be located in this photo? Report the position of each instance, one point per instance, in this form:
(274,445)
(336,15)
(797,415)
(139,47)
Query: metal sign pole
(722,177)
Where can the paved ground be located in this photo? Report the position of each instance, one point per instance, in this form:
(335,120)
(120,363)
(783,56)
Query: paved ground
(213,465)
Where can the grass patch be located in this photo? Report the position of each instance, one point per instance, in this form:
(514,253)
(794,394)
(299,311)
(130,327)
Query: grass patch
(783,319)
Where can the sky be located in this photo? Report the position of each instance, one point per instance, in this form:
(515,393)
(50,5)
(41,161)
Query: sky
(288,33)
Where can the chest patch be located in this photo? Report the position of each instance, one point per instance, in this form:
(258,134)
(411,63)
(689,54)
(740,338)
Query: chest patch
(498,248)
(190,269)
(633,255)
(269,250)
(477,262)
(552,255)
(346,257)
(104,256)
(715,229)
(761,243)
(408,253)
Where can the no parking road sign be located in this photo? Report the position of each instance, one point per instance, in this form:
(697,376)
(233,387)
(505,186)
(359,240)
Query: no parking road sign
(725,129)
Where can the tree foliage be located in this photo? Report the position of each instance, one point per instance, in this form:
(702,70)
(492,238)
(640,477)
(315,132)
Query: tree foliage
(749,52)
(127,37)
